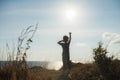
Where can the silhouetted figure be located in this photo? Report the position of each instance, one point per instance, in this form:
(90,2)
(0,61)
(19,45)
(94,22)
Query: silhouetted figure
(66,54)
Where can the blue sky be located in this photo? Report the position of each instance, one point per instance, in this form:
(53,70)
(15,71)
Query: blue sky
(94,21)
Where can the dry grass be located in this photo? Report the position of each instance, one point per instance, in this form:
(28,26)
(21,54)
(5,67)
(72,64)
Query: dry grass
(79,71)
(16,67)
(14,71)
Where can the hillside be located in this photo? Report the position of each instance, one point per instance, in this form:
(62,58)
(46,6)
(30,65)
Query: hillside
(79,71)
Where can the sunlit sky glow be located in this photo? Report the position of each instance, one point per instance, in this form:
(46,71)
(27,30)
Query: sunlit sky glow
(70,14)
(90,21)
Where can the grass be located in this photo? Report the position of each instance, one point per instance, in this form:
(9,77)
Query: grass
(79,71)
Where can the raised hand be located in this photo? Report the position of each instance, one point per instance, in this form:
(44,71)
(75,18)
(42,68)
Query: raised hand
(70,33)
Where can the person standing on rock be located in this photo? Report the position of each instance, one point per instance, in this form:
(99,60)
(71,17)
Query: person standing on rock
(65,43)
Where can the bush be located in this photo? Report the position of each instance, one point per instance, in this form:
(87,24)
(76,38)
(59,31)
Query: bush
(103,62)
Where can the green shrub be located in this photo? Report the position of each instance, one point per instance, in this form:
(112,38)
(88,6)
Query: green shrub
(103,62)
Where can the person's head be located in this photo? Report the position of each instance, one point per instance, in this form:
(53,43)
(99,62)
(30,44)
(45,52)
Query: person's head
(65,38)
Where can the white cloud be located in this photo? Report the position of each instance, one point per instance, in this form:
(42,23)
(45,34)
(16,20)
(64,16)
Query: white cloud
(112,37)
(109,35)
(116,40)
(76,31)
(80,44)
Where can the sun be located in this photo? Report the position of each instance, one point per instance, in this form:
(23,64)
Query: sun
(70,14)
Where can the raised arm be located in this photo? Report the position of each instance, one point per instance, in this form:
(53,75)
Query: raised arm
(60,42)
(69,37)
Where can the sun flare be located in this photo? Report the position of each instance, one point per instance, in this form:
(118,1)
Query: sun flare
(70,14)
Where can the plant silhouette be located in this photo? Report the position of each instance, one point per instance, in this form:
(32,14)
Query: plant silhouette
(65,43)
